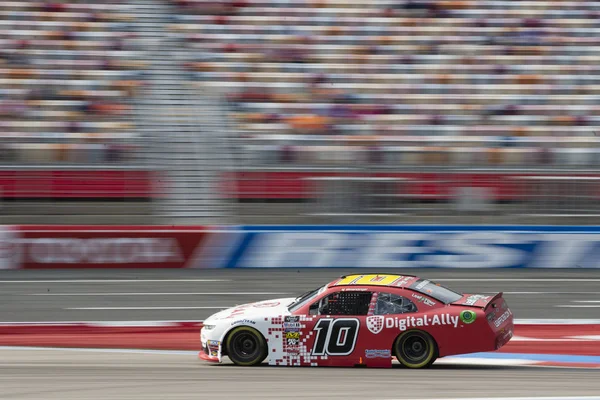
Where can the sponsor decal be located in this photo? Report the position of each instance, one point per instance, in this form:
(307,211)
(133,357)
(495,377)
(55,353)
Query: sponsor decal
(373,303)
(244,321)
(423,299)
(409,322)
(471,300)
(375,323)
(468,316)
(404,281)
(213,347)
(502,319)
(292,335)
(490,317)
(267,304)
(291,323)
(421,285)
(293,348)
(378,353)
(354,289)
(291,326)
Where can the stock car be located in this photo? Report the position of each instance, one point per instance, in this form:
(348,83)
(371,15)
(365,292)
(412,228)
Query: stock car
(359,320)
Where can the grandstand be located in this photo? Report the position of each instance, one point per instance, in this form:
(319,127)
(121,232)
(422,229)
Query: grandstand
(68,73)
(437,97)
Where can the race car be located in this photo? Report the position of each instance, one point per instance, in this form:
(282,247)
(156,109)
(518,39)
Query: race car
(360,320)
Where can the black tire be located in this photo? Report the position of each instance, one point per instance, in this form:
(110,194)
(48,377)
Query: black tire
(415,349)
(246,346)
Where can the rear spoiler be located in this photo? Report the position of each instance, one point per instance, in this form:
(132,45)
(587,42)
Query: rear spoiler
(478,300)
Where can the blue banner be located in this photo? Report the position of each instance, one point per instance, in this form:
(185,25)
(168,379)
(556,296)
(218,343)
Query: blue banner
(427,246)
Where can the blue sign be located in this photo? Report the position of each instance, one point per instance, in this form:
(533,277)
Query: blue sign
(416,247)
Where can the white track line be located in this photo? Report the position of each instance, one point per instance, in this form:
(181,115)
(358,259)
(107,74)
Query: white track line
(114,280)
(508,398)
(188,353)
(480,361)
(148,308)
(160,294)
(585,301)
(577,306)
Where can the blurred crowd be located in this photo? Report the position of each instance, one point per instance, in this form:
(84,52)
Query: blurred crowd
(519,78)
(69,74)
(312,69)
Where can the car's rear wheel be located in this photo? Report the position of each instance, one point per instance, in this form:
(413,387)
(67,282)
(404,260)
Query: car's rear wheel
(246,346)
(415,349)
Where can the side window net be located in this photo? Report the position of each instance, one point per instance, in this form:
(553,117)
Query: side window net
(345,303)
(388,303)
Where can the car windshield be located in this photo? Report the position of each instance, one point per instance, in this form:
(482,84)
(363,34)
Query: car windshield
(436,291)
(306,297)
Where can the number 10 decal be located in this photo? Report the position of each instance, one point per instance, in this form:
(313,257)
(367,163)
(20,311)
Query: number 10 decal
(335,337)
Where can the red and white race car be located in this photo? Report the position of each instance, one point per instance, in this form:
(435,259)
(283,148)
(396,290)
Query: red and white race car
(364,320)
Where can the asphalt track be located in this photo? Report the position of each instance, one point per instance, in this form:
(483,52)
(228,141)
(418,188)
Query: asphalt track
(97,295)
(59,374)
(143,295)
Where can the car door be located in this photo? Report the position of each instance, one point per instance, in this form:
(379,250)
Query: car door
(333,333)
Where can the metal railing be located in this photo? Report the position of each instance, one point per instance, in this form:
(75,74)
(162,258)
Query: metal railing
(295,179)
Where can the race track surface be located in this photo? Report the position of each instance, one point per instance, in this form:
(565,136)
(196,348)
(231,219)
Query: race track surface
(142,295)
(34,296)
(65,375)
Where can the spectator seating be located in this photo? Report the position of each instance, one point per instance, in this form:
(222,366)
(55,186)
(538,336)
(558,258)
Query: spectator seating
(488,68)
(68,74)
(306,70)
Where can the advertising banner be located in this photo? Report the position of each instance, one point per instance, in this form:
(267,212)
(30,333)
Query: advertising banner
(45,247)
(377,247)
(417,247)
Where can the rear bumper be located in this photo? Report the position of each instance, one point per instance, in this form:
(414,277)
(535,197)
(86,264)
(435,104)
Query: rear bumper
(505,331)
(504,336)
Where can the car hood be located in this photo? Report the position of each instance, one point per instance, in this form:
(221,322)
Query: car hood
(253,310)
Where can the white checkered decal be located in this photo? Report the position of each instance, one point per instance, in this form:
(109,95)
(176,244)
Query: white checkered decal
(375,323)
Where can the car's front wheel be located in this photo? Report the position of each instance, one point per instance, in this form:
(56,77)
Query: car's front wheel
(246,346)
(415,349)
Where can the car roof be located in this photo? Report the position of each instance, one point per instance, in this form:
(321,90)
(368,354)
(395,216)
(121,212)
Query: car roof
(387,280)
